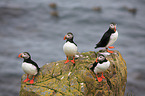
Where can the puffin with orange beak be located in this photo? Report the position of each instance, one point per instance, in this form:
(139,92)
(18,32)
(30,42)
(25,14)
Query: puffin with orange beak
(69,48)
(108,38)
(100,65)
(29,66)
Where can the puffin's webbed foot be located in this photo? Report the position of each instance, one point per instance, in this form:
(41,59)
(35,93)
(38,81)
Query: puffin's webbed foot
(66,61)
(99,78)
(111,47)
(27,79)
(32,81)
(109,51)
(102,76)
(73,61)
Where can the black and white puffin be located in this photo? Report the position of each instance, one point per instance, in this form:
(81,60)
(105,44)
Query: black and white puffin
(100,65)
(69,48)
(29,66)
(108,38)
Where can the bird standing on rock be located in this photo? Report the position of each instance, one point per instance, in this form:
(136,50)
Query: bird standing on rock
(100,65)
(108,38)
(69,48)
(29,66)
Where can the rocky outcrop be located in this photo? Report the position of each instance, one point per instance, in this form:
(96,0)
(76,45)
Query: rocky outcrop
(57,78)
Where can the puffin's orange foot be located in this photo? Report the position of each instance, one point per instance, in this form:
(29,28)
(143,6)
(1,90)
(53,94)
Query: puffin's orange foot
(73,61)
(66,61)
(103,76)
(26,80)
(99,79)
(31,81)
(110,51)
(111,47)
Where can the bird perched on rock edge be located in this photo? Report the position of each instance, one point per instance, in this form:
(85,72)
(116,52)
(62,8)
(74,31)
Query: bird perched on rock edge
(109,37)
(29,66)
(100,65)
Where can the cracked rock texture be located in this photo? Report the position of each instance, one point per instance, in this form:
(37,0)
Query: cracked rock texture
(59,79)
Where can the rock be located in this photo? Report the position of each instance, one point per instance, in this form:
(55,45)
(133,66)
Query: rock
(99,9)
(54,13)
(59,79)
(131,10)
(53,5)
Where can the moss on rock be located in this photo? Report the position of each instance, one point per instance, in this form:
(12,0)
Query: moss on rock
(57,78)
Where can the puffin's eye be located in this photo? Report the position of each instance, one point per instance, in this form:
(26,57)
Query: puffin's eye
(101,57)
(111,25)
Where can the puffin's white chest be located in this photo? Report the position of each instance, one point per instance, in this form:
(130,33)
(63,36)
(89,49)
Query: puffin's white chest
(29,68)
(101,67)
(113,38)
(70,49)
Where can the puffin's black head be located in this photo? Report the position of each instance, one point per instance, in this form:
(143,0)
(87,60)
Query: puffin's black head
(24,55)
(113,26)
(69,36)
(100,58)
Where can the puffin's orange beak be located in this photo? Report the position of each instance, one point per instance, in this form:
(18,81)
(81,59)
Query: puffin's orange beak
(115,28)
(96,60)
(20,55)
(64,37)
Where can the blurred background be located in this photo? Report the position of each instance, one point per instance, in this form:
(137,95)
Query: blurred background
(38,27)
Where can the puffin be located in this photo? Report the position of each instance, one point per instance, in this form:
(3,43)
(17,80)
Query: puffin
(100,65)
(29,66)
(70,47)
(109,37)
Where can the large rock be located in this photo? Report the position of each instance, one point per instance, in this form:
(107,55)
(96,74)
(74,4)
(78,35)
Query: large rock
(58,79)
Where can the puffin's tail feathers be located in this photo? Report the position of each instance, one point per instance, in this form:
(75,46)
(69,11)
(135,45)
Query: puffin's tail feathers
(38,68)
(91,67)
(96,46)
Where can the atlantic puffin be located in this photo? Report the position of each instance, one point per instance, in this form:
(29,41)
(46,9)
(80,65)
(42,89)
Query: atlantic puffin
(100,65)
(109,37)
(70,47)
(29,66)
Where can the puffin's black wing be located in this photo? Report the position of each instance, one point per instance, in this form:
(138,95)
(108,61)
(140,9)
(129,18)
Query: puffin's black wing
(35,64)
(94,65)
(72,41)
(104,40)
(32,62)
(75,43)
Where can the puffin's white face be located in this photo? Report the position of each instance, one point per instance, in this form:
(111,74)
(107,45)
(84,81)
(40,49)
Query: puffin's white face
(68,36)
(101,58)
(113,26)
(24,55)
